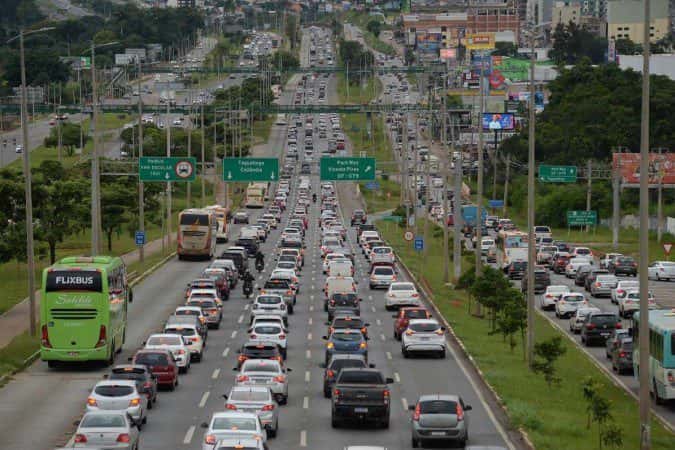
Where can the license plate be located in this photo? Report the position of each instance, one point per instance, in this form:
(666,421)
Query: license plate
(438,433)
(604,334)
(360,410)
(73,353)
(424,339)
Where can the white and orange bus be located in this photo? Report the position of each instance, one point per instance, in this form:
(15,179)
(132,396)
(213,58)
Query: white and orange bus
(197,229)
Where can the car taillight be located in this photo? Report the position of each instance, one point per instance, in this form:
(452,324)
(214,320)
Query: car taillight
(330,345)
(180,351)
(330,373)
(279,379)
(618,325)
(231,406)
(282,336)
(268,407)
(363,345)
(332,303)
(253,336)
(101,337)
(439,332)
(91,401)
(417,413)
(135,401)
(590,326)
(124,437)
(597,284)
(241,378)
(80,439)
(336,394)
(460,412)
(242,358)
(210,439)
(622,355)
(45,337)
(409,332)
(289,292)
(620,291)
(147,385)
(671,378)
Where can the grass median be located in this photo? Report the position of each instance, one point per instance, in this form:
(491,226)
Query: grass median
(554,418)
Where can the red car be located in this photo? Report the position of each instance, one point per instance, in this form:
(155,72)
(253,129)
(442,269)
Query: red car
(161,364)
(560,262)
(403,316)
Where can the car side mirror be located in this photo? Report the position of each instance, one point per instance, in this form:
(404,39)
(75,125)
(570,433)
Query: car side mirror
(76,423)
(204,425)
(372,366)
(326,323)
(442,328)
(225,396)
(325,338)
(411,407)
(235,369)
(468,407)
(389,380)
(288,369)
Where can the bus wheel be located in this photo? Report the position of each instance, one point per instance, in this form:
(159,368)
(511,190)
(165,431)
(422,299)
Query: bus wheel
(658,400)
(52,364)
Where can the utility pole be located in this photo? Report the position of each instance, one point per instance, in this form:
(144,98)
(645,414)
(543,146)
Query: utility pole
(659,201)
(530,206)
(95,177)
(404,177)
(479,178)
(189,154)
(506,185)
(168,184)
(141,193)
(458,221)
(203,139)
(589,187)
(616,202)
(643,341)
(444,219)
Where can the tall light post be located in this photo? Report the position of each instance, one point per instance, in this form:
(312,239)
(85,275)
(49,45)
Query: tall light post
(95,170)
(30,246)
(643,332)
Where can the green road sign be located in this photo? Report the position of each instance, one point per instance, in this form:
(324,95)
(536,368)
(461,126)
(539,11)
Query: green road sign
(347,169)
(397,219)
(152,168)
(250,169)
(557,174)
(579,218)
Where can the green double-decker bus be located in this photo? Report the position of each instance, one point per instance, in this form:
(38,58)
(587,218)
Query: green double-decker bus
(83,309)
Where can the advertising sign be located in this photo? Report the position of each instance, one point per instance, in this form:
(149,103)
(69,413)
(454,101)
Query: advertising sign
(479,41)
(448,53)
(661,168)
(429,42)
(498,121)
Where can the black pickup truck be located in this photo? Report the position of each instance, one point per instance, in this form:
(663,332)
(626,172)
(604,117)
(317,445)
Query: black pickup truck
(361,394)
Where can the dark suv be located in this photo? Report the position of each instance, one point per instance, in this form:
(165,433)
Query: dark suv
(598,326)
(344,303)
(624,265)
(582,273)
(542,279)
(359,216)
(516,270)
(592,275)
(259,350)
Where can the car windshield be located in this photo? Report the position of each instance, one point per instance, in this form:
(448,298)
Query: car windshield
(604,319)
(126,376)
(574,298)
(114,391)
(438,407)
(164,340)
(269,300)
(151,359)
(360,377)
(556,289)
(668,264)
(201,303)
(344,297)
(187,312)
(181,330)
(249,396)
(381,250)
(260,367)
(383,271)
(423,327)
(346,337)
(267,329)
(103,421)
(402,287)
(346,323)
(277,284)
(339,364)
(234,423)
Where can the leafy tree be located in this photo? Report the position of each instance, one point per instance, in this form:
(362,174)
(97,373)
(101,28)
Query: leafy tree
(352,54)
(505,49)
(117,200)
(625,46)
(572,43)
(409,56)
(599,410)
(70,137)
(513,316)
(546,353)
(374,26)
(488,290)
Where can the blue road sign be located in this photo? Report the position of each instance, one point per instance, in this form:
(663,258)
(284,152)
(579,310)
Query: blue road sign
(140,238)
(372,185)
(496,203)
(419,244)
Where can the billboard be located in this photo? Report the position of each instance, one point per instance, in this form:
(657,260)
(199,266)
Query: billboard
(661,167)
(448,53)
(498,121)
(479,41)
(429,42)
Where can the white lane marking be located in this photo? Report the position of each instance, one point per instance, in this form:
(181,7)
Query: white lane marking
(305,403)
(189,434)
(215,374)
(404,402)
(308,376)
(383,337)
(378,321)
(374,310)
(309,321)
(234,334)
(370,297)
(308,354)
(246,307)
(303,438)
(312,287)
(205,397)
(309,336)
(226,351)
(397,377)
(311,297)
(389,355)
(312,279)
(311,307)
(240,319)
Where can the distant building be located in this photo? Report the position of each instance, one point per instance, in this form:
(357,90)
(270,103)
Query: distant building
(565,12)
(625,20)
(594,8)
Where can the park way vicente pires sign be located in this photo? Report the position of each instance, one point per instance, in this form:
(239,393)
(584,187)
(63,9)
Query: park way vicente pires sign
(347,169)
(250,169)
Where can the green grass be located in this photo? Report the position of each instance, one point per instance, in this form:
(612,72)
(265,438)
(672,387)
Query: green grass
(378,200)
(13,356)
(554,417)
(262,129)
(356,94)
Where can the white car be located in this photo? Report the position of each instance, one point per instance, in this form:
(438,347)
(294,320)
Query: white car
(485,245)
(231,424)
(577,320)
(269,305)
(267,373)
(630,303)
(255,399)
(424,335)
(569,303)
(583,252)
(119,395)
(331,257)
(552,294)
(402,293)
(269,332)
(621,288)
(175,344)
(382,255)
(604,262)
(574,264)
(191,338)
(661,270)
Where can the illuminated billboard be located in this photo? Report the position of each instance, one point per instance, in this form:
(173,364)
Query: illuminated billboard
(498,121)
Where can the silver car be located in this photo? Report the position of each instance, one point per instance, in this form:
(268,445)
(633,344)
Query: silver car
(423,335)
(232,424)
(569,303)
(106,429)
(265,373)
(401,294)
(255,399)
(603,285)
(622,287)
(382,276)
(269,305)
(577,320)
(439,418)
(119,395)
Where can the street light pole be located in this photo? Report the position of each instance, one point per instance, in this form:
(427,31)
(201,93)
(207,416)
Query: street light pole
(530,207)
(141,187)
(643,341)
(95,194)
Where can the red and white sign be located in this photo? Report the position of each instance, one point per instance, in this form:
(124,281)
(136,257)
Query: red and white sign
(661,169)
(667,247)
(408,236)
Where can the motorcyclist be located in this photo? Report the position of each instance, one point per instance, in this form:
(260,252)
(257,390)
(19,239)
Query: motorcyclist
(247,287)
(259,260)
(313,198)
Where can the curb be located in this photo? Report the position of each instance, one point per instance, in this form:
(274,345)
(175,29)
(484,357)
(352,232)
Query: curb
(152,269)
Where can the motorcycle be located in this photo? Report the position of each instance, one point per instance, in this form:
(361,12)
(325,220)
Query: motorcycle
(248,288)
(260,266)
(313,198)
